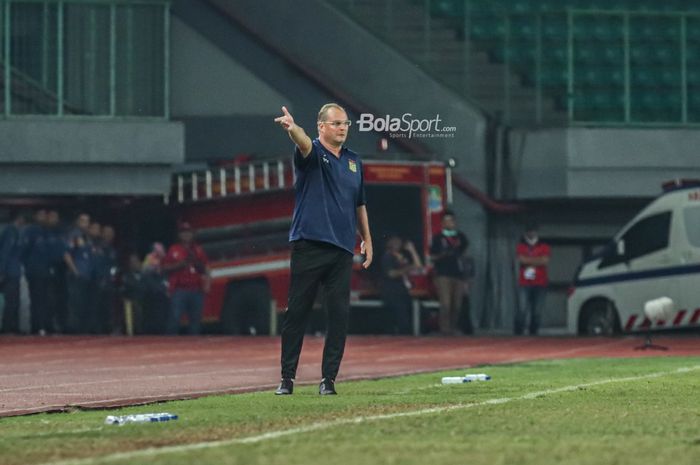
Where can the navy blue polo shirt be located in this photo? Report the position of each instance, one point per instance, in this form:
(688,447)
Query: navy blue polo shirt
(327,192)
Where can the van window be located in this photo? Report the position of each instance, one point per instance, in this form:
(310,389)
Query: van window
(691,218)
(648,235)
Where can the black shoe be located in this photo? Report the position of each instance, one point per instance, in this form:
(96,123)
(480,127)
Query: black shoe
(285,388)
(327,387)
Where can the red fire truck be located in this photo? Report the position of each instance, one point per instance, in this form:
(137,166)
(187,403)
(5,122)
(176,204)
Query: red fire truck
(242,215)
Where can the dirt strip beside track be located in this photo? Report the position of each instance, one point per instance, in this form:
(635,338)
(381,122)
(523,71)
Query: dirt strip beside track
(61,373)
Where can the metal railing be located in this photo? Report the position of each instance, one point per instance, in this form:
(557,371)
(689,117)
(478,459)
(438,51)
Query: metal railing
(93,58)
(546,71)
(232,181)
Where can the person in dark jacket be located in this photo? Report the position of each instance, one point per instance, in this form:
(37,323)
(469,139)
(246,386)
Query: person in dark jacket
(36,258)
(80,263)
(447,252)
(104,281)
(56,289)
(11,270)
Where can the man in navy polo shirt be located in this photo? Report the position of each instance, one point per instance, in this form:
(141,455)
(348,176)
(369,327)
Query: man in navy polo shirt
(329,211)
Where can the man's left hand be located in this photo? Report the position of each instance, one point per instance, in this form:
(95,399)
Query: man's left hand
(366,250)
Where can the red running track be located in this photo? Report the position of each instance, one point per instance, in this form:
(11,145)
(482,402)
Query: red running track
(61,373)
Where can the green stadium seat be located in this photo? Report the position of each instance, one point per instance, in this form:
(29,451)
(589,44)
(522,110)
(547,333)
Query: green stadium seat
(655,77)
(517,54)
(587,54)
(646,55)
(554,77)
(490,29)
(600,77)
(447,8)
(554,29)
(693,77)
(590,77)
(694,99)
(692,29)
(693,55)
(612,54)
(555,53)
(522,28)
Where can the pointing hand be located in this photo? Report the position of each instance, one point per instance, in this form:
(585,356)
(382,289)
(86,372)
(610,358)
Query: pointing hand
(286,121)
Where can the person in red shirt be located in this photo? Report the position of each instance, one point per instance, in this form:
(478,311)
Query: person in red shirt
(188,280)
(533,259)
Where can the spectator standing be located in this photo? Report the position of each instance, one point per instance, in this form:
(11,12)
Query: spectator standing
(188,276)
(56,286)
(155,299)
(396,266)
(79,261)
(134,289)
(533,259)
(37,263)
(446,252)
(105,274)
(11,270)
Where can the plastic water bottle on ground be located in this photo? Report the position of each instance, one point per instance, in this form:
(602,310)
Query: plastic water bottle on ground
(140,418)
(455,380)
(478,377)
(468,378)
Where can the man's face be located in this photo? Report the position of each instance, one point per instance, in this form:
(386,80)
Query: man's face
(84,222)
(40,217)
(531,234)
(108,234)
(333,130)
(53,218)
(448,222)
(95,230)
(186,236)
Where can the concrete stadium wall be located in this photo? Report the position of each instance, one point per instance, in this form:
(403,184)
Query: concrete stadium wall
(601,162)
(67,157)
(206,81)
(90,141)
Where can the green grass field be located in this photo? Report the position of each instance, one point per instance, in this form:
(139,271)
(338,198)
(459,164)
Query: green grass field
(587,411)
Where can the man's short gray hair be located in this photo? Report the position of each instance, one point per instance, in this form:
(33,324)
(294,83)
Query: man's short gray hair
(323,112)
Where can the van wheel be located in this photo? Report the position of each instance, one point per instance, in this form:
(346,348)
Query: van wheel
(599,318)
(246,309)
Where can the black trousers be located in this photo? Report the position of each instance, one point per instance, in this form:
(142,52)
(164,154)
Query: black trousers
(314,263)
(398,304)
(78,304)
(57,299)
(10,323)
(41,317)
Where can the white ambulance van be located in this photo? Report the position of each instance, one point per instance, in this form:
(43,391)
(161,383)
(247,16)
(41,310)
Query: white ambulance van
(657,254)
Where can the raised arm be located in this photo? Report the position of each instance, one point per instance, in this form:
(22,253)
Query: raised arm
(415,259)
(296,133)
(363,229)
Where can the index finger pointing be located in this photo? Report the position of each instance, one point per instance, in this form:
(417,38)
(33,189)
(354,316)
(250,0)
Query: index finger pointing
(286,112)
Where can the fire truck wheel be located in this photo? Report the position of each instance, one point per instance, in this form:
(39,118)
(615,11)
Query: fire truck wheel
(599,318)
(246,308)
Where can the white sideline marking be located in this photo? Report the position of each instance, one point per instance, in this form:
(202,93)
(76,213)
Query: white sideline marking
(152,451)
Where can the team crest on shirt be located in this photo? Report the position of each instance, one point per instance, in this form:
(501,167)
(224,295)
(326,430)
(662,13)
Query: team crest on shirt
(352,165)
